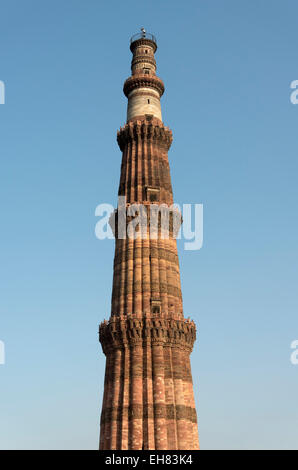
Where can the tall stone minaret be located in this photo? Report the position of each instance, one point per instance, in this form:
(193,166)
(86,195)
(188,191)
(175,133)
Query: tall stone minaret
(148,400)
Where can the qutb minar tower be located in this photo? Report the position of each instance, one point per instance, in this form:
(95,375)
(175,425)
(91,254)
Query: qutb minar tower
(148,400)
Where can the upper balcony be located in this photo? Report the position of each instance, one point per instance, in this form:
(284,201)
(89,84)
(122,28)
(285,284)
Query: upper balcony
(143,35)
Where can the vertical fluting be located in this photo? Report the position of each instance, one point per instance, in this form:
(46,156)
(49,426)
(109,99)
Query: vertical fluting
(126,170)
(109,403)
(136,398)
(148,142)
(154,270)
(137,285)
(146,276)
(116,390)
(193,432)
(129,276)
(124,437)
(159,399)
(163,277)
(122,291)
(148,415)
(170,277)
(179,397)
(139,169)
(132,173)
(104,404)
(120,401)
(170,400)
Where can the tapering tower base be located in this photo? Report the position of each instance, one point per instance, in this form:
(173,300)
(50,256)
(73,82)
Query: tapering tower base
(148,401)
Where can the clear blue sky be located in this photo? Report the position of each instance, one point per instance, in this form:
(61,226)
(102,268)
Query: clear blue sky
(227,66)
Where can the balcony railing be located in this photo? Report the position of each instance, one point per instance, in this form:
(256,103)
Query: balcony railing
(143,35)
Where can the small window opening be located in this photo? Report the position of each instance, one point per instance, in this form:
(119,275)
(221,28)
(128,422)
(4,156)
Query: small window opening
(146,51)
(152,194)
(148,101)
(156,306)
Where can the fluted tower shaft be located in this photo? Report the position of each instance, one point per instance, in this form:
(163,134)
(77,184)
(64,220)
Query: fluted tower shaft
(148,398)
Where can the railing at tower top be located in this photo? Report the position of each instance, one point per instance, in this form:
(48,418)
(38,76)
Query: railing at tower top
(143,35)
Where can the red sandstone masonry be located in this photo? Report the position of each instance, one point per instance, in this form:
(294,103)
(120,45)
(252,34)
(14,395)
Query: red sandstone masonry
(148,398)
(150,401)
(159,400)
(136,422)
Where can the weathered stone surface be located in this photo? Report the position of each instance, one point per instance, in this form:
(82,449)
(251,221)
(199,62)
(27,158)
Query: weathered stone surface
(148,400)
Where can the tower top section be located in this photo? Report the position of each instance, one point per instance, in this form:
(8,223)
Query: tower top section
(143,88)
(143,38)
